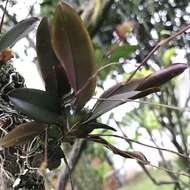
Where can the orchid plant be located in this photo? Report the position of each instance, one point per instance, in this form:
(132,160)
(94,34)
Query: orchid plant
(67,65)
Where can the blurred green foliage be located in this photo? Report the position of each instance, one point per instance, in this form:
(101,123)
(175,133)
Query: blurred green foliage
(167,55)
(142,182)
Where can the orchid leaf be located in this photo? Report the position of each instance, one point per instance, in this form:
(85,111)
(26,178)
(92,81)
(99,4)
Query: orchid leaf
(122,87)
(105,105)
(121,92)
(17,32)
(139,156)
(73,47)
(46,56)
(23,133)
(37,104)
(54,76)
(84,130)
(164,75)
(151,81)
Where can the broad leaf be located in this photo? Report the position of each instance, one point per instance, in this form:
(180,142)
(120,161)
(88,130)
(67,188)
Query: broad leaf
(151,81)
(54,76)
(105,105)
(37,104)
(17,32)
(23,133)
(46,56)
(63,86)
(73,47)
(160,77)
(121,52)
(134,89)
(145,92)
(122,87)
(166,58)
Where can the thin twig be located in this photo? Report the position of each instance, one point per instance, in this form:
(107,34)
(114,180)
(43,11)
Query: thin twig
(72,161)
(145,162)
(123,133)
(154,180)
(12,18)
(2,19)
(150,146)
(170,171)
(156,47)
(94,76)
(46,148)
(69,171)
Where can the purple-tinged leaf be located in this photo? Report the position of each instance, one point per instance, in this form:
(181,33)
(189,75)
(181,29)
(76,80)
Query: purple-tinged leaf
(82,131)
(37,104)
(63,86)
(54,76)
(160,77)
(22,134)
(142,87)
(105,105)
(17,32)
(121,88)
(154,80)
(46,56)
(139,156)
(146,92)
(73,47)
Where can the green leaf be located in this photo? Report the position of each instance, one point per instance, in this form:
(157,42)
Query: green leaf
(37,104)
(73,47)
(54,76)
(99,56)
(122,51)
(149,119)
(17,32)
(23,133)
(167,55)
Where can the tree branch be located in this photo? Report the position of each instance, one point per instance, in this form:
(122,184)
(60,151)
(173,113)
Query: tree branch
(72,160)
(12,18)
(154,180)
